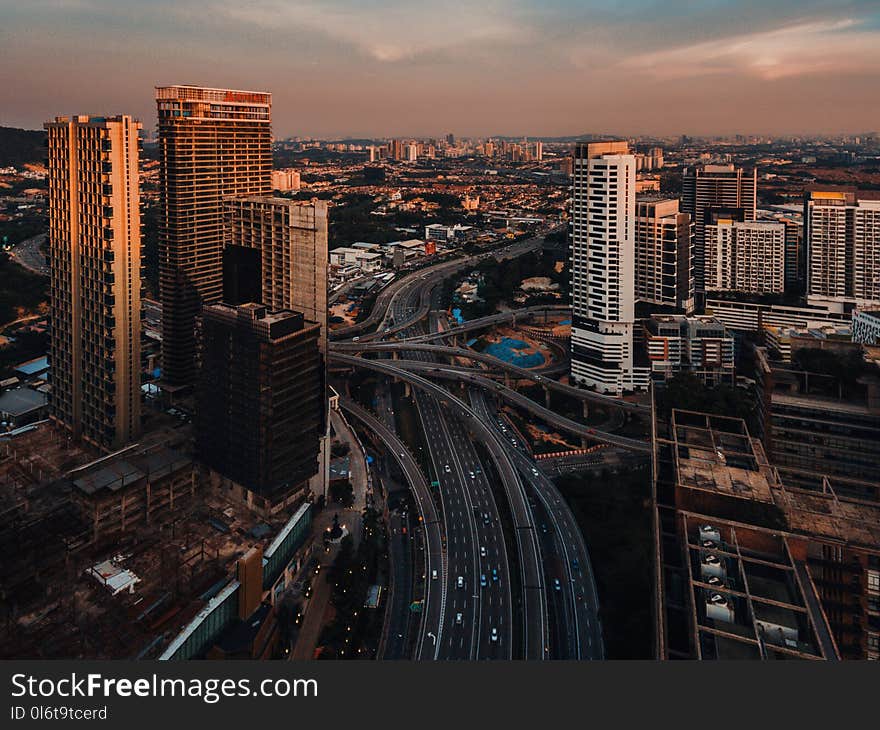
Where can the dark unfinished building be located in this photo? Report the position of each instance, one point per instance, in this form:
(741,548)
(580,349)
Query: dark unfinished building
(260,401)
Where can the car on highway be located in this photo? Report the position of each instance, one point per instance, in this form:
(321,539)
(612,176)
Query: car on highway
(482,551)
(482,580)
(534,471)
(447,469)
(434,574)
(544,528)
(460,582)
(494,634)
(473,476)
(458,619)
(495,575)
(557,586)
(486,518)
(575,564)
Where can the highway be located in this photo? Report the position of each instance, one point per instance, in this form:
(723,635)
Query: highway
(533,598)
(387,297)
(577,631)
(435,594)
(478,615)
(462,375)
(523,373)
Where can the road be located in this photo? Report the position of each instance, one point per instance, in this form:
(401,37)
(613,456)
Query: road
(449,372)
(28,254)
(578,630)
(533,599)
(435,593)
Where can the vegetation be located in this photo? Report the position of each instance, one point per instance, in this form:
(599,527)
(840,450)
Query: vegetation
(22,293)
(342,491)
(18,146)
(355,631)
(687,392)
(614,513)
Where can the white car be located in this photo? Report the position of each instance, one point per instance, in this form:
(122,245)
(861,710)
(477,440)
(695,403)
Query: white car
(458,618)
(447,469)
(460,582)
(482,551)
(494,635)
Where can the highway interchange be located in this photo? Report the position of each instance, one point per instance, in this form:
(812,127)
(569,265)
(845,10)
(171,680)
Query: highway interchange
(506,571)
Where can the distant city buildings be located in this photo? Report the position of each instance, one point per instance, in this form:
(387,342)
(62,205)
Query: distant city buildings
(842,230)
(664,254)
(214,144)
(711,187)
(261,407)
(95,278)
(603,268)
(286,180)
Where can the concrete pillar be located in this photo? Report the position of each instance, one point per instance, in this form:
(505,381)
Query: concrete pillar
(586,410)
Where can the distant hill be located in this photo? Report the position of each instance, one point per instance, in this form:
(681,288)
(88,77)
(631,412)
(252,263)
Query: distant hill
(18,146)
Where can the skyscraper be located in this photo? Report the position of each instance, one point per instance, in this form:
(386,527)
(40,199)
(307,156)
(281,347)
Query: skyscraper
(95,272)
(213,144)
(715,186)
(260,400)
(290,238)
(842,230)
(664,268)
(603,258)
(745,256)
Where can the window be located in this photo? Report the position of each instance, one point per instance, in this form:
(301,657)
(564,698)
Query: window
(873,581)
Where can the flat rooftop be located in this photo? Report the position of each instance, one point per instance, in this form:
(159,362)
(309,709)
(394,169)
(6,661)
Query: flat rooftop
(717,454)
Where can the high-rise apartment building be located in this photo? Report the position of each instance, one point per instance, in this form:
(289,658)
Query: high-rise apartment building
(288,240)
(745,256)
(213,144)
(95,278)
(701,346)
(664,266)
(603,268)
(842,230)
(710,187)
(260,400)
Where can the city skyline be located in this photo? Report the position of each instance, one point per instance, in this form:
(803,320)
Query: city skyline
(723,68)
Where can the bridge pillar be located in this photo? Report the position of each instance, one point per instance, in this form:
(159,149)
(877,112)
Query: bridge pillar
(546,397)
(406,389)
(586,410)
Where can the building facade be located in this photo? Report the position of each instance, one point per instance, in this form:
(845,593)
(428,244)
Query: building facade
(260,400)
(95,278)
(603,268)
(711,187)
(745,256)
(842,230)
(213,144)
(664,265)
(290,238)
(701,346)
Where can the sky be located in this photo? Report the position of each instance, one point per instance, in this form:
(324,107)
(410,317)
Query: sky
(381,68)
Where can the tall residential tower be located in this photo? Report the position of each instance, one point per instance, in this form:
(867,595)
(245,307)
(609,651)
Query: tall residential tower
(706,188)
(95,272)
(603,262)
(213,144)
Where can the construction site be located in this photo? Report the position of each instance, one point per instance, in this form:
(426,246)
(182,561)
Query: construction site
(111,556)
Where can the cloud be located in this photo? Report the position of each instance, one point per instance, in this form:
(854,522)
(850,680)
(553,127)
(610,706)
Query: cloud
(388,31)
(832,46)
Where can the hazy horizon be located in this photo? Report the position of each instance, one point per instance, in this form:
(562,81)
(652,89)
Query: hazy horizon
(383,68)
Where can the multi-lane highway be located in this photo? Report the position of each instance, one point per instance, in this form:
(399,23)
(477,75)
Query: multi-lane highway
(577,631)
(507,571)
